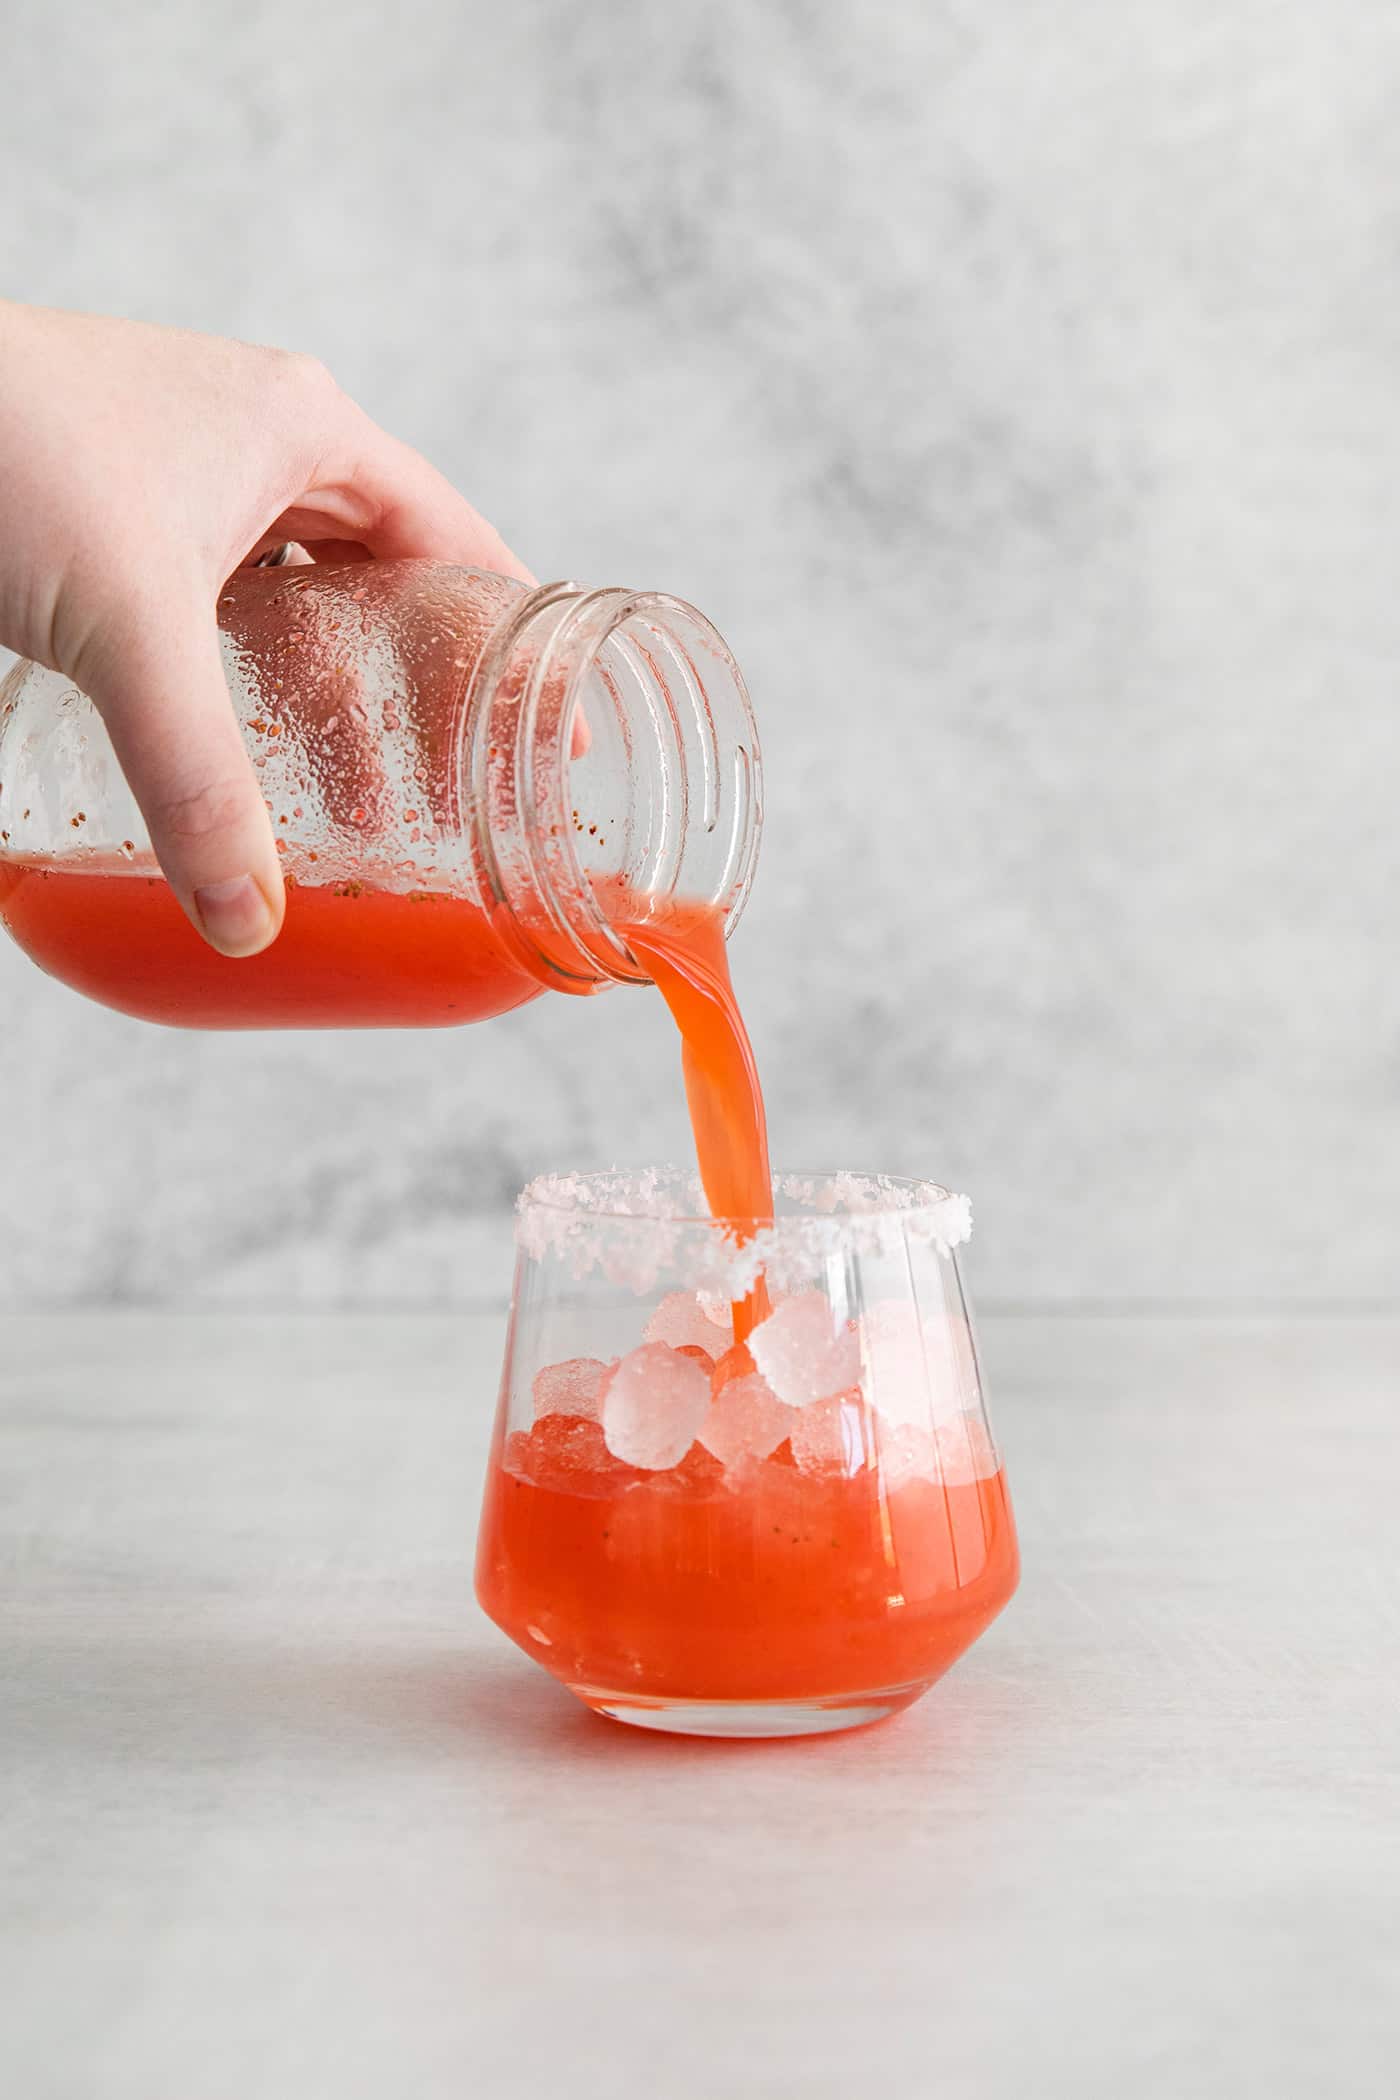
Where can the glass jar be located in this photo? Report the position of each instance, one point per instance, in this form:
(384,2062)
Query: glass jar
(449,850)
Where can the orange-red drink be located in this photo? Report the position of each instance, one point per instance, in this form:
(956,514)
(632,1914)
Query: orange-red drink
(349,955)
(683,947)
(782,1586)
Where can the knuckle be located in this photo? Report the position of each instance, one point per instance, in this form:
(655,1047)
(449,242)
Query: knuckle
(303,374)
(206,812)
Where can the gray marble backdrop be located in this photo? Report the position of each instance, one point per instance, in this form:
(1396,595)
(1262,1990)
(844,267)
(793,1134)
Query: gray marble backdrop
(1018,387)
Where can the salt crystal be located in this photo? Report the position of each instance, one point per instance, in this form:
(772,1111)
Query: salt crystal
(803,1352)
(747,1421)
(570,1388)
(832,1435)
(681,1320)
(654,1402)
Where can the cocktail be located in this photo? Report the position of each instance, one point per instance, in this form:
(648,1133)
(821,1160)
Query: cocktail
(743,1479)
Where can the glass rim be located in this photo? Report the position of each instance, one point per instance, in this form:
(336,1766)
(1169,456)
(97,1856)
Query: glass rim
(909,1197)
(575,1219)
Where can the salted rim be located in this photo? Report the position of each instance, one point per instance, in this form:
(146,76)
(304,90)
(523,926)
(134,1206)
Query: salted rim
(628,1226)
(836,1195)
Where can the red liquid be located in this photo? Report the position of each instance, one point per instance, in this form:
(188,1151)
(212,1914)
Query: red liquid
(791,1586)
(347,957)
(683,947)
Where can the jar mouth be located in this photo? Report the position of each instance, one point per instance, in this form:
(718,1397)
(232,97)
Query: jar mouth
(663,805)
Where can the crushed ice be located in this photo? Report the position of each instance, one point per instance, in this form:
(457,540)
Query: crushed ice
(803,1353)
(683,1322)
(570,1388)
(654,1402)
(746,1422)
(895,1389)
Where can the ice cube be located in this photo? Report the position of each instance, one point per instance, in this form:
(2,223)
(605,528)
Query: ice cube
(680,1320)
(570,1388)
(895,1361)
(952,1362)
(832,1435)
(697,1478)
(965,1451)
(907,1451)
(569,1455)
(654,1402)
(804,1352)
(746,1422)
(717,1310)
(917,1371)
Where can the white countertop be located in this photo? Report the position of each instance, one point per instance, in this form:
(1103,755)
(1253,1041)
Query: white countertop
(281,1815)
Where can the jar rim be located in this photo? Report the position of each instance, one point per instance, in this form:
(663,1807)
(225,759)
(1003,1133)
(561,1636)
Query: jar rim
(515,757)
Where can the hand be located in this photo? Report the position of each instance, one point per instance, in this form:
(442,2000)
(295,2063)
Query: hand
(139,467)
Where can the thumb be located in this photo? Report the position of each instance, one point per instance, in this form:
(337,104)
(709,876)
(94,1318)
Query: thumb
(155,676)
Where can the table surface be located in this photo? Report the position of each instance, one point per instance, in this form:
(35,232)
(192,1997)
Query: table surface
(281,1815)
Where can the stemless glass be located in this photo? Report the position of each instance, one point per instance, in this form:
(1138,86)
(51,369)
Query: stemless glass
(795,1533)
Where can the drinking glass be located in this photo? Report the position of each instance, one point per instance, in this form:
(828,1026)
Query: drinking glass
(743,1480)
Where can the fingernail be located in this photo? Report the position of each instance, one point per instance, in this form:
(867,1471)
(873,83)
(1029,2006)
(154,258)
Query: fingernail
(235,915)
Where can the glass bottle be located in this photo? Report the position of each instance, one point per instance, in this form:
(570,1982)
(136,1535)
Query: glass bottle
(450,851)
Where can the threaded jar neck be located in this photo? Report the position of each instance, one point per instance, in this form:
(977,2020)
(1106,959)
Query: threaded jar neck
(665,802)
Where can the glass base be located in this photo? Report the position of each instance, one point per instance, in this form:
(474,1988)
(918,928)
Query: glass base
(750,1718)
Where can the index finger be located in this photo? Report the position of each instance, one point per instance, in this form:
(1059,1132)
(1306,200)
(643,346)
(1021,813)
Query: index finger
(372,489)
